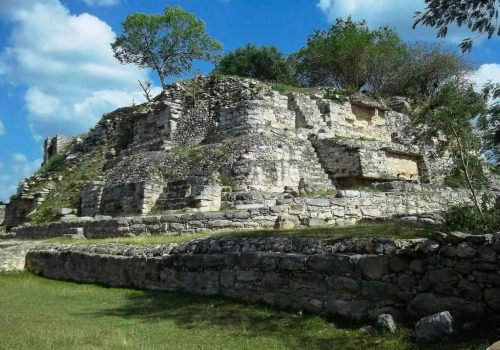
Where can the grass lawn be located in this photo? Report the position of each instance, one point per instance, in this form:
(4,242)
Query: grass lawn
(392,230)
(38,313)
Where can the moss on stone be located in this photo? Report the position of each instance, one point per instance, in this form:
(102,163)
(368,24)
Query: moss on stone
(72,176)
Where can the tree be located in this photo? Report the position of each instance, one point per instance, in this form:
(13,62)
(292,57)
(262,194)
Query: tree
(265,63)
(146,87)
(489,123)
(351,56)
(427,68)
(479,16)
(445,119)
(167,43)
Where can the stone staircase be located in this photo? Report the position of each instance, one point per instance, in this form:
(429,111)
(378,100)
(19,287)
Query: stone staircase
(175,196)
(314,173)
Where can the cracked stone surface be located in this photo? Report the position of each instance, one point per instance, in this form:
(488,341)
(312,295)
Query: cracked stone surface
(13,254)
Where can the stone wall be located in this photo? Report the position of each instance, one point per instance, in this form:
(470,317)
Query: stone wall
(354,278)
(17,210)
(402,166)
(91,198)
(324,117)
(56,145)
(132,198)
(256,115)
(375,160)
(243,131)
(319,211)
(196,193)
(2,214)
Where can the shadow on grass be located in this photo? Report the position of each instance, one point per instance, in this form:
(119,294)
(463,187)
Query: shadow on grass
(251,321)
(293,330)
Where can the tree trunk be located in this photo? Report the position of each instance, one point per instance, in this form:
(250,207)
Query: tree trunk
(472,190)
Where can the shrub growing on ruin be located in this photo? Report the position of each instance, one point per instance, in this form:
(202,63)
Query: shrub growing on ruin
(167,43)
(351,56)
(265,63)
(465,218)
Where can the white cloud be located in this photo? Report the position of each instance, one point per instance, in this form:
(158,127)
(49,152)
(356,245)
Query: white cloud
(2,131)
(101,2)
(486,72)
(20,167)
(395,13)
(67,65)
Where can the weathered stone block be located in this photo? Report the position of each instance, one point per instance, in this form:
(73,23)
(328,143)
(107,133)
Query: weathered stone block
(375,290)
(292,262)
(373,266)
(352,309)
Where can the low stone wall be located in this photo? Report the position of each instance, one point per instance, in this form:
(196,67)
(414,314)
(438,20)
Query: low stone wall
(355,278)
(318,211)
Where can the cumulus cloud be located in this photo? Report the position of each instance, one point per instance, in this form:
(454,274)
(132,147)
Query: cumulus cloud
(20,167)
(23,167)
(67,65)
(2,128)
(101,2)
(398,14)
(486,72)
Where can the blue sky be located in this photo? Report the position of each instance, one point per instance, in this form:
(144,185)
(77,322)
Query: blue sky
(58,75)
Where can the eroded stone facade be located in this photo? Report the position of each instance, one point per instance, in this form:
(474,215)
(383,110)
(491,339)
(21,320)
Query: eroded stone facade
(278,141)
(202,138)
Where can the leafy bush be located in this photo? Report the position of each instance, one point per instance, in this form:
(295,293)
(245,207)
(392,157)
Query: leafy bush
(53,163)
(226,181)
(454,181)
(466,218)
(265,63)
(351,56)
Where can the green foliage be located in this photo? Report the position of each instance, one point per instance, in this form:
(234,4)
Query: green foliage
(336,95)
(265,63)
(479,16)
(226,181)
(167,43)
(52,164)
(192,154)
(427,68)
(284,88)
(393,230)
(465,218)
(489,123)
(454,180)
(66,193)
(351,56)
(445,120)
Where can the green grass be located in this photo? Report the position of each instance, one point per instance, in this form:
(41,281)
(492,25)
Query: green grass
(283,88)
(66,193)
(52,164)
(43,314)
(391,230)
